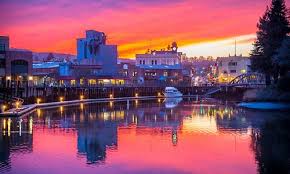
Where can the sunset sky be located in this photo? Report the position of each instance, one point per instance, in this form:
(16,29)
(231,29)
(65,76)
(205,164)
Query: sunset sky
(200,27)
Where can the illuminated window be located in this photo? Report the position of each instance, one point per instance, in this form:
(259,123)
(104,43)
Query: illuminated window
(165,73)
(243,71)
(92,82)
(81,81)
(73,82)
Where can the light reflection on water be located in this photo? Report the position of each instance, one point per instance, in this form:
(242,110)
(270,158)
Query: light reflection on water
(146,137)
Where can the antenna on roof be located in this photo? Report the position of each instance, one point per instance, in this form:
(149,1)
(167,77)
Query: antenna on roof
(235,48)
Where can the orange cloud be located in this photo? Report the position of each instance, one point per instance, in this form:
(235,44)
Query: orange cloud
(134,25)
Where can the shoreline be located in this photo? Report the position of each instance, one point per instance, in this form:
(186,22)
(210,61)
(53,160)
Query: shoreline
(27,109)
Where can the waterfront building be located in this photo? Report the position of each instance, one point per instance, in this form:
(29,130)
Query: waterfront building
(96,63)
(160,67)
(15,65)
(4,46)
(231,67)
(93,50)
(45,73)
(128,70)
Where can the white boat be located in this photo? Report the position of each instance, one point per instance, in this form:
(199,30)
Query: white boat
(172,92)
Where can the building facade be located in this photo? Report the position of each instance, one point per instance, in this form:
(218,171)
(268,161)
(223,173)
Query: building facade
(96,63)
(160,67)
(231,67)
(15,65)
(93,50)
(4,47)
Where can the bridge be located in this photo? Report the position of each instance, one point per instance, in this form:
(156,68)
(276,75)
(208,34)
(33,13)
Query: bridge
(247,80)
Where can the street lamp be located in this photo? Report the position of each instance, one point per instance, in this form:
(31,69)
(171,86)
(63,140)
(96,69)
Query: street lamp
(4,108)
(17,104)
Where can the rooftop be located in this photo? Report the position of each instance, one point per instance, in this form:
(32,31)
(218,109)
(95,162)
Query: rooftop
(177,66)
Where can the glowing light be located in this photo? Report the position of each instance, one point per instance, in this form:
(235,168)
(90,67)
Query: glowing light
(38,112)
(111,104)
(111,96)
(8,77)
(82,106)
(61,99)
(9,126)
(4,108)
(159,94)
(17,104)
(38,100)
(30,125)
(136,95)
(243,71)
(81,97)
(4,124)
(30,78)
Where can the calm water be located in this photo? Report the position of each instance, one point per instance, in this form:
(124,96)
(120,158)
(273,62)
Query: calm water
(146,137)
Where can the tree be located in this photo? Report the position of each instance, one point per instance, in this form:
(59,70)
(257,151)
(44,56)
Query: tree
(283,57)
(273,27)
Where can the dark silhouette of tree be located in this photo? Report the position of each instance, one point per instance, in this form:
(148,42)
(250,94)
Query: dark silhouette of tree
(273,27)
(270,145)
(283,57)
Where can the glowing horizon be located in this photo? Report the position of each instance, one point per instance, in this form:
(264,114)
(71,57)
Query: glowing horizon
(201,28)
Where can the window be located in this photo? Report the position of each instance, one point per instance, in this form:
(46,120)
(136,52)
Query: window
(233,71)
(243,71)
(165,73)
(152,62)
(73,82)
(155,62)
(233,63)
(143,62)
(140,62)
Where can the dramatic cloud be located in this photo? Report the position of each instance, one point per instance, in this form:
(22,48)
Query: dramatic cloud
(135,26)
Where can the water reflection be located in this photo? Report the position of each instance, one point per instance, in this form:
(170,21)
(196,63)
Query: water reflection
(145,134)
(271,145)
(172,102)
(15,139)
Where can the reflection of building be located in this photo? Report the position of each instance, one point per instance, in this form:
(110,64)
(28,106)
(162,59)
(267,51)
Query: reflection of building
(15,65)
(94,138)
(231,67)
(160,66)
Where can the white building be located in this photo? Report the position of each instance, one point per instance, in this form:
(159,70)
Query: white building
(162,57)
(93,50)
(231,67)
